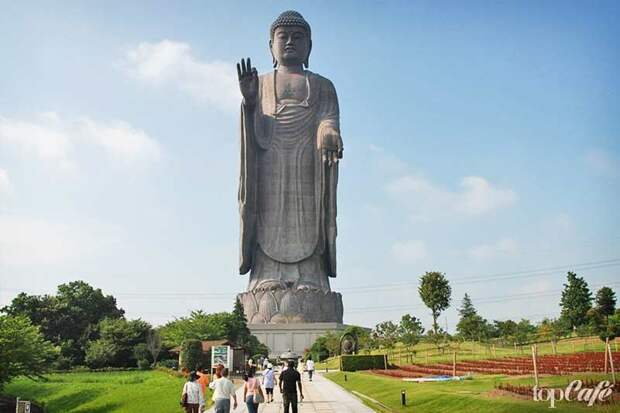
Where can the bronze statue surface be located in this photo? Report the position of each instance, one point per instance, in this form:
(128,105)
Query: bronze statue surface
(290,148)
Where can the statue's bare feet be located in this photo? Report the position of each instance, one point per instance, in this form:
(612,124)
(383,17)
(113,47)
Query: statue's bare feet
(270,285)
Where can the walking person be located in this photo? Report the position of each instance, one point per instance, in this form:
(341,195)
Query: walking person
(203,379)
(269,382)
(250,389)
(290,380)
(192,397)
(310,367)
(223,390)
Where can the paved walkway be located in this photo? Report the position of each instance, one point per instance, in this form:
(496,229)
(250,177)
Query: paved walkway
(321,396)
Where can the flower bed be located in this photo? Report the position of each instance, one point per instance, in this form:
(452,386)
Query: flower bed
(513,366)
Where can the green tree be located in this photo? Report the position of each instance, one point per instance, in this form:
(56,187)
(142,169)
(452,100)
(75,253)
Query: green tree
(410,330)
(506,330)
(68,319)
(325,346)
(386,334)
(435,292)
(100,353)
(471,326)
(115,346)
(198,326)
(552,330)
(362,334)
(23,349)
(525,332)
(191,354)
(576,300)
(142,355)
(239,333)
(612,327)
(605,301)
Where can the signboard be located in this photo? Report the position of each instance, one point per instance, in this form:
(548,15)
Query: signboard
(221,355)
(22,406)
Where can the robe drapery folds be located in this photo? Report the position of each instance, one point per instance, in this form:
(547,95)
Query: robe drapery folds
(287,194)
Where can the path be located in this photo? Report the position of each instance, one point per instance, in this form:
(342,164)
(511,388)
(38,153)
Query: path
(321,396)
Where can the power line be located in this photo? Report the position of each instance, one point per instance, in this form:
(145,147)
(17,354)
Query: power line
(373,288)
(483,300)
(497,276)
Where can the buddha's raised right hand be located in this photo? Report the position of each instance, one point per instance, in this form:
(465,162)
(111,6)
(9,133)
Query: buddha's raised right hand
(248,81)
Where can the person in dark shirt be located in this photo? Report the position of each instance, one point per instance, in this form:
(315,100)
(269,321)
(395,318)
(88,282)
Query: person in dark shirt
(289,378)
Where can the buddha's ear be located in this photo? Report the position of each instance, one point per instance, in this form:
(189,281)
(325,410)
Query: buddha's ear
(306,62)
(273,58)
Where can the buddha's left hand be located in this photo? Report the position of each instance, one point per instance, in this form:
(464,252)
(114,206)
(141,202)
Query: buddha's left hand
(330,145)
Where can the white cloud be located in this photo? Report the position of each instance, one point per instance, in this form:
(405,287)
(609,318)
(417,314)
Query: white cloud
(26,241)
(43,137)
(426,200)
(409,251)
(478,196)
(121,140)
(503,247)
(5,183)
(174,64)
(53,139)
(602,162)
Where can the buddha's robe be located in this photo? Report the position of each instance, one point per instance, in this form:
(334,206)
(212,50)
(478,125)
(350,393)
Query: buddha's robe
(287,195)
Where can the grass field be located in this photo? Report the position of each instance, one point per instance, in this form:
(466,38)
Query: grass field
(99,392)
(468,396)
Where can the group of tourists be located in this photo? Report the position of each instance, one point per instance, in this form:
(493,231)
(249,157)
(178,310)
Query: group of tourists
(289,384)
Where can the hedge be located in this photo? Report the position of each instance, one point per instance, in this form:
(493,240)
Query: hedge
(362,362)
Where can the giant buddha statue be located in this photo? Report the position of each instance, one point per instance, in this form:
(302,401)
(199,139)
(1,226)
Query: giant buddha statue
(290,150)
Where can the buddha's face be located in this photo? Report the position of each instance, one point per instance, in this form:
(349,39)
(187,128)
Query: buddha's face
(290,45)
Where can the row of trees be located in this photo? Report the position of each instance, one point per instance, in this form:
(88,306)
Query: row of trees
(580,314)
(87,327)
(80,326)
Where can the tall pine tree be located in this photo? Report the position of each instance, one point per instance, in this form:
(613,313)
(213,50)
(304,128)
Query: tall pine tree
(605,301)
(240,334)
(470,326)
(238,331)
(576,300)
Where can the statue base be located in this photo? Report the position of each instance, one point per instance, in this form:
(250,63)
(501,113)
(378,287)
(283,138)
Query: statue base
(286,306)
(294,337)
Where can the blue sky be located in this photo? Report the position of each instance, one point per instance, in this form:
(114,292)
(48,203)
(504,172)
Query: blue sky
(479,141)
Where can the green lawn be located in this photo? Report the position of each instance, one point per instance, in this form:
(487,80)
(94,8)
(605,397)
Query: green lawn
(468,396)
(99,392)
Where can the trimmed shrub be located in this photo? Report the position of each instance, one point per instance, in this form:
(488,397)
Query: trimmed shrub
(362,362)
(191,354)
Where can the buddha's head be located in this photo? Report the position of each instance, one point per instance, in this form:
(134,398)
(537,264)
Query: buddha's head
(290,41)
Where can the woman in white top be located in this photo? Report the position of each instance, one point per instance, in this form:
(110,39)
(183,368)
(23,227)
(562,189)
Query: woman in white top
(223,390)
(192,396)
